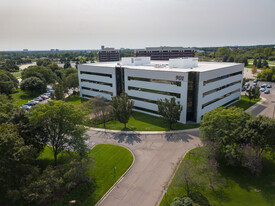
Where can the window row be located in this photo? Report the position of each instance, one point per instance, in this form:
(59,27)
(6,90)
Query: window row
(154,91)
(221,77)
(178,83)
(96,74)
(220,88)
(97,90)
(96,82)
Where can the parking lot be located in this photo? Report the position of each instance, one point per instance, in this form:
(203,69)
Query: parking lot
(267,108)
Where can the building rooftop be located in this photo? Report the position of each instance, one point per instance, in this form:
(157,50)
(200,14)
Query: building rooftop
(164,66)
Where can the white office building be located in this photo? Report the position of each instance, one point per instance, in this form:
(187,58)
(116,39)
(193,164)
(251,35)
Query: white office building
(199,86)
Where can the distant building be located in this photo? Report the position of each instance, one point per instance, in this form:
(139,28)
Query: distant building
(199,86)
(102,47)
(164,53)
(108,55)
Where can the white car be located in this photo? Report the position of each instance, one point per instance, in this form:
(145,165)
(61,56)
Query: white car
(262,89)
(26,107)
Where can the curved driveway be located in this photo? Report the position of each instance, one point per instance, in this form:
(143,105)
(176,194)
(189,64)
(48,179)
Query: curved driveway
(156,156)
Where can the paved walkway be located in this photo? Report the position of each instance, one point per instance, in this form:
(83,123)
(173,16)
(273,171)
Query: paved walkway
(156,156)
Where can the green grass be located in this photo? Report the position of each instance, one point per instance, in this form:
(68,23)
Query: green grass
(106,157)
(239,188)
(245,103)
(22,97)
(75,99)
(144,122)
(17,74)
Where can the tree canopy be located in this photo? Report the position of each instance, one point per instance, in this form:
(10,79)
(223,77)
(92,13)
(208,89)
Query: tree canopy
(60,123)
(33,84)
(7,82)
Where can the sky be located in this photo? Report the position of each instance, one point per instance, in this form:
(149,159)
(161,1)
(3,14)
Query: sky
(88,24)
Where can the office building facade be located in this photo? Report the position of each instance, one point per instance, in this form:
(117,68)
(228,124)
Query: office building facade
(164,53)
(108,55)
(199,87)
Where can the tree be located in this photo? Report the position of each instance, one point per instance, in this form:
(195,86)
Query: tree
(254,70)
(230,59)
(60,123)
(72,81)
(43,73)
(259,64)
(170,110)
(59,91)
(185,201)
(122,108)
(223,127)
(7,82)
(33,84)
(67,65)
(223,51)
(255,62)
(7,108)
(16,161)
(265,63)
(101,109)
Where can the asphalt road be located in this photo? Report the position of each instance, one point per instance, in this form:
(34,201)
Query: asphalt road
(156,158)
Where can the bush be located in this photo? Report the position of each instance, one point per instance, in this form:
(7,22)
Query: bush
(199,198)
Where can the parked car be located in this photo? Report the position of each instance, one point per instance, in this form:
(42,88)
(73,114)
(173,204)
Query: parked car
(267,91)
(263,85)
(44,97)
(269,86)
(51,91)
(35,102)
(26,107)
(255,84)
(30,103)
(262,89)
(39,99)
(255,81)
(247,84)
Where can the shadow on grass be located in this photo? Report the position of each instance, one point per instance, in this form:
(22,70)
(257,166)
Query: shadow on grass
(127,138)
(262,183)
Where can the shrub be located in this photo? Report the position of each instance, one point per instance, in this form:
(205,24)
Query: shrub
(199,198)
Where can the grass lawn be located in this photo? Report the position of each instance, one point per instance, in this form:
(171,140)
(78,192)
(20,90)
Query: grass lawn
(16,74)
(106,157)
(144,122)
(245,103)
(22,97)
(239,188)
(75,99)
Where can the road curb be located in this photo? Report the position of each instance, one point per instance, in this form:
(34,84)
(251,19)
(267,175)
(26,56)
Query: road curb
(142,132)
(118,181)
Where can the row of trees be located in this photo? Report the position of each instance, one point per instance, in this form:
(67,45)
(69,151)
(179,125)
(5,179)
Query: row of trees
(259,64)
(238,138)
(120,108)
(23,136)
(267,75)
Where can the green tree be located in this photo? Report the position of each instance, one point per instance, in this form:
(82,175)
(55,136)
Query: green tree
(223,128)
(7,108)
(33,84)
(259,64)
(122,108)
(45,74)
(101,109)
(16,162)
(60,123)
(59,91)
(67,65)
(223,51)
(185,201)
(170,110)
(255,62)
(265,63)
(72,81)
(7,82)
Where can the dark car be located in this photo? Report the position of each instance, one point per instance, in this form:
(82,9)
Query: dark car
(267,91)
(269,86)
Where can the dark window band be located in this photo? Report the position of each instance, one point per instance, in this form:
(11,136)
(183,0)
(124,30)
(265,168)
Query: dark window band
(146,110)
(154,91)
(142,99)
(97,74)
(221,77)
(220,88)
(96,90)
(215,100)
(95,82)
(178,83)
